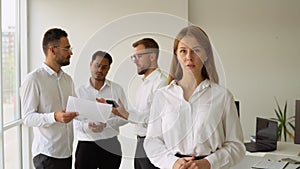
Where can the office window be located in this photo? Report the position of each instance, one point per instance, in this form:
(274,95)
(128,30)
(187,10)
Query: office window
(11,149)
(10,116)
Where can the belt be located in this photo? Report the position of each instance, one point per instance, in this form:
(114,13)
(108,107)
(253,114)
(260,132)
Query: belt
(140,138)
(100,140)
(196,157)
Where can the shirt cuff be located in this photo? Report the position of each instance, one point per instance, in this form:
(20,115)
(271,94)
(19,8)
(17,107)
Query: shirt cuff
(51,117)
(212,161)
(172,161)
(132,117)
(136,117)
(85,127)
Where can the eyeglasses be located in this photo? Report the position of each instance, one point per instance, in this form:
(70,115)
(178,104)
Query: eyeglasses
(138,56)
(68,49)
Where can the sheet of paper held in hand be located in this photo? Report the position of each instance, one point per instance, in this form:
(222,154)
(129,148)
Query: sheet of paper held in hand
(91,110)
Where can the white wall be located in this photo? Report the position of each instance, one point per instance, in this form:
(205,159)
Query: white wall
(258,43)
(111,26)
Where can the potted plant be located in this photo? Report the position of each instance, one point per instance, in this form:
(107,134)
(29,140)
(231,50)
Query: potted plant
(284,122)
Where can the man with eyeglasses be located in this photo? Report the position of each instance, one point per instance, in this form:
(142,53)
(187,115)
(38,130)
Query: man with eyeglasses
(98,145)
(145,57)
(44,95)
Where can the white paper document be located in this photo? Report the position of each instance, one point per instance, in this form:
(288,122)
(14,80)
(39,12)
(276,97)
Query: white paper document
(91,110)
(268,164)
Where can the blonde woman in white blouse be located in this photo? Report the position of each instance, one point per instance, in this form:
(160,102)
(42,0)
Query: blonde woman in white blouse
(193,121)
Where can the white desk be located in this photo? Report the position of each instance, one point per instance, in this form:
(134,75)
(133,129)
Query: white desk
(284,150)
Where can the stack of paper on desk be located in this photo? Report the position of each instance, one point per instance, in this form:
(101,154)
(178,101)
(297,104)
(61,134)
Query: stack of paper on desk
(268,164)
(91,110)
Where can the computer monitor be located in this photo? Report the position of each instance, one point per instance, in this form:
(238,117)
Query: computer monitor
(266,132)
(266,136)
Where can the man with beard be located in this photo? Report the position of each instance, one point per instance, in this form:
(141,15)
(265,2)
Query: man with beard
(98,145)
(145,57)
(44,95)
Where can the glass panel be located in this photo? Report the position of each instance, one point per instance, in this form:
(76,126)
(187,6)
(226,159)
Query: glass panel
(8,59)
(11,148)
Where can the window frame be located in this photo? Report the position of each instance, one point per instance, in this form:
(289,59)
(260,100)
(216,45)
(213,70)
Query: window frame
(23,133)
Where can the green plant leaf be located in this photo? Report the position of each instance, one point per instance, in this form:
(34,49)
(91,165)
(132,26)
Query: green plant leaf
(278,107)
(285,130)
(280,127)
(284,122)
(284,112)
(275,119)
(292,126)
(278,115)
(291,119)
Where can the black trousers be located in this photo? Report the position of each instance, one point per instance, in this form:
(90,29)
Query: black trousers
(42,161)
(141,161)
(101,154)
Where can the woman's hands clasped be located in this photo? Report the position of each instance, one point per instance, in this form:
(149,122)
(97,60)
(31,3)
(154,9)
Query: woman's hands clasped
(191,163)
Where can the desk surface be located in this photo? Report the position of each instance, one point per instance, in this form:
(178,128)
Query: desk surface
(284,150)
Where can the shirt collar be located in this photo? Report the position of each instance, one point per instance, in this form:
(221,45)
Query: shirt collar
(106,83)
(173,83)
(152,75)
(51,71)
(203,85)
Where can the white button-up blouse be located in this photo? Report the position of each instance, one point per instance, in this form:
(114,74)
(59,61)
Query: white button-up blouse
(206,124)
